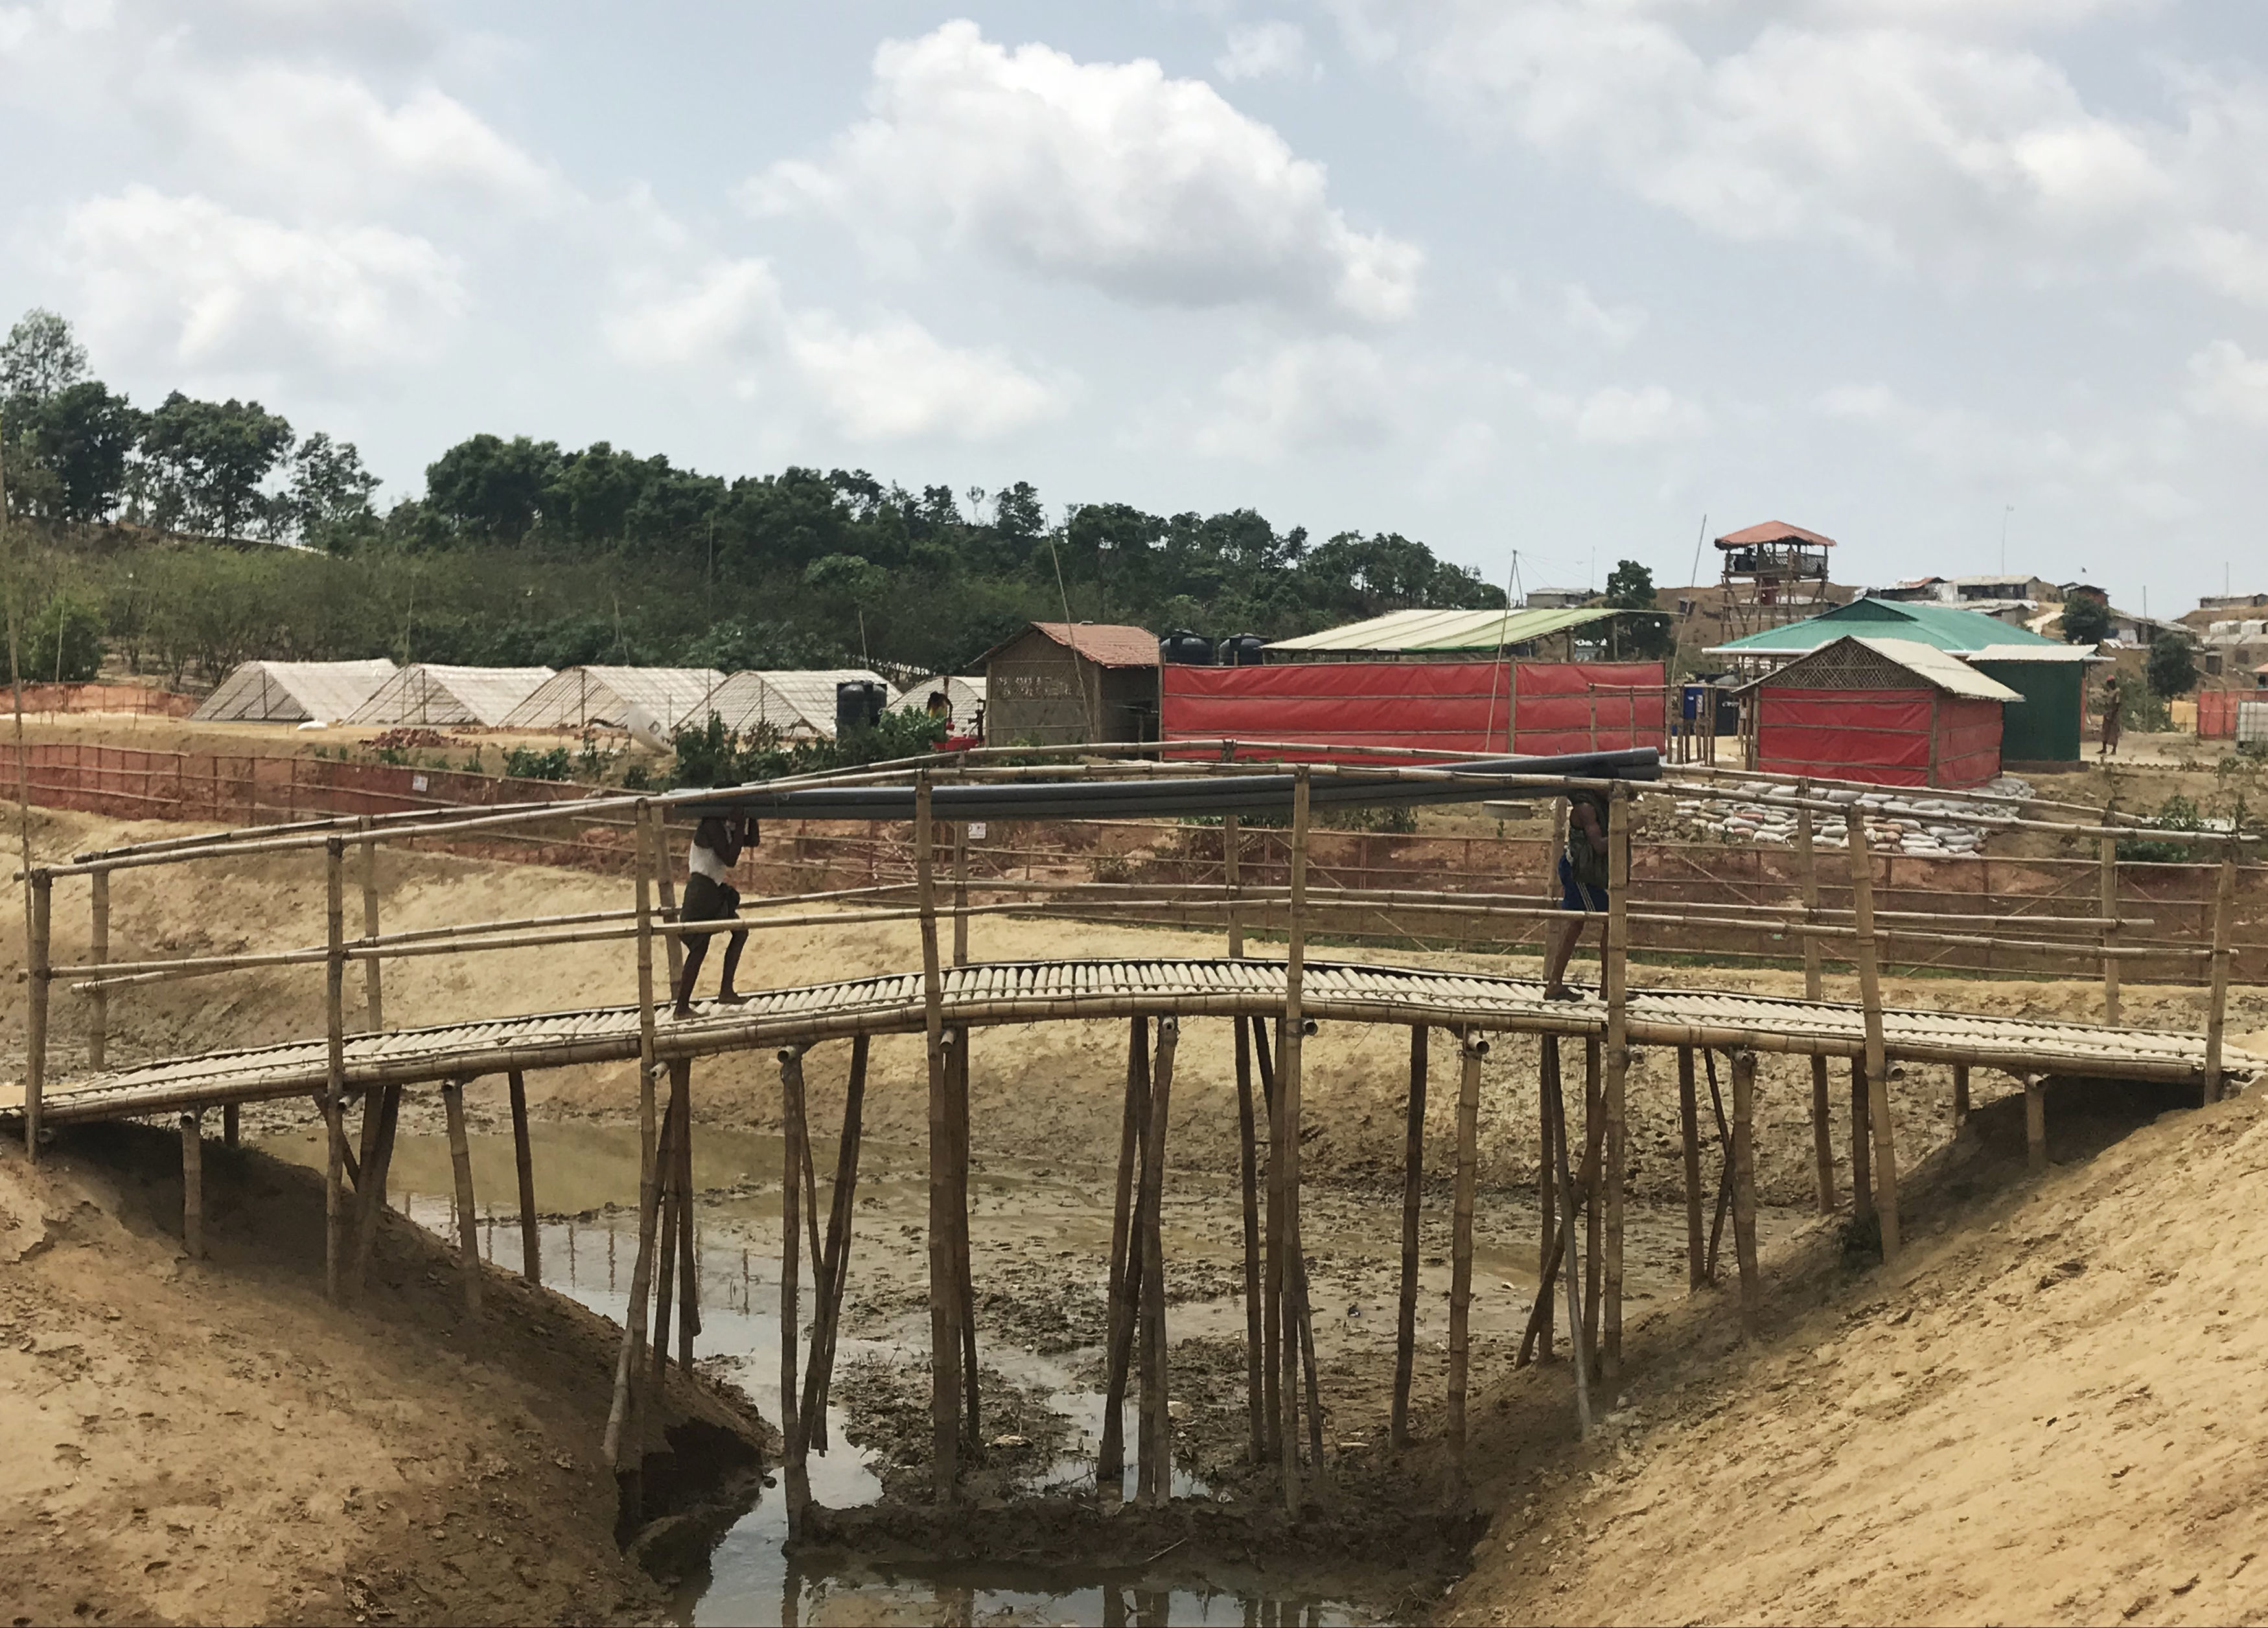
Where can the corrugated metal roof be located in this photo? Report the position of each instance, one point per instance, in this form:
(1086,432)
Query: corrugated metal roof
(2035,652)
(1448,629)
(291,692)
(1944,626)
(575,697)
(1772,531)
(429,693)
(1926,662)
(799,704)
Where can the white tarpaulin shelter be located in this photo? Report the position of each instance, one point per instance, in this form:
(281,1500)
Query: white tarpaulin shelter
(575,697)
(966,694)
(430,694)
(799,704)
(292,692)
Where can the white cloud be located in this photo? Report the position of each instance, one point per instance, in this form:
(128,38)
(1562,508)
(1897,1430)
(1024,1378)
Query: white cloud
(1926,135)
(1304,396)
(894,380)
(1266,50)
(1154,190)
(1619,417)
(2226,383)
(1614,326)
(184,279)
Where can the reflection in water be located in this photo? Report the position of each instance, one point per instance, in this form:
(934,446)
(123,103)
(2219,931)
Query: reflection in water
(751,1579)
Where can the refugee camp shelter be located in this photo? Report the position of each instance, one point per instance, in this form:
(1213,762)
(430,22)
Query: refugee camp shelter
(576,697)
(292,692)
(2049,674)
(1891,711)
(450,697)
(799,704)
(966,696)
(1060,683)
(1569,633)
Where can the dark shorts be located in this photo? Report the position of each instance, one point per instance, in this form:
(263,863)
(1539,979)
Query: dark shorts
(1573,893)
(707,899)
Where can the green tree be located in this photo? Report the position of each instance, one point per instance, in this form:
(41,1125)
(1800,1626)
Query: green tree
(208,459)
(493,488)
(327,501)
(2086,620)
(83,436)
(64,643)
(2172,668)
(1630,586)
(39,359)
(1646,634)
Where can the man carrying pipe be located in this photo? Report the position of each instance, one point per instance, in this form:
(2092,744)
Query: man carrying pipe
(709,895)
(1582,887)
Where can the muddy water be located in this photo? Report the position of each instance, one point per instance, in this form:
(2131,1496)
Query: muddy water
(586,1186)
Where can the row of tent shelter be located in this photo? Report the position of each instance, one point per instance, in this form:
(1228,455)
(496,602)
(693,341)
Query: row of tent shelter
(799,705)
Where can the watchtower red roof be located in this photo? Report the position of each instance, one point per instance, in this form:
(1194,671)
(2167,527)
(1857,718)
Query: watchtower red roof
(1773,531)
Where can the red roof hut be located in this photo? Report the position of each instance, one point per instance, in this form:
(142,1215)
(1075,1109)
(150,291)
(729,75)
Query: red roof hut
(1891,711)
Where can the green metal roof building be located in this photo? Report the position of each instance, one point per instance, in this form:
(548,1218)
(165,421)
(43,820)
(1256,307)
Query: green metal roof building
(2050,675)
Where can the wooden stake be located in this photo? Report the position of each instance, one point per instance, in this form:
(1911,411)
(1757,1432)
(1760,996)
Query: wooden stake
(98,951)
(1723,1209)
(1413,1189)
(370,1195)
(1154,1462)
(1614,987)
(649,1019)
(1125,1291)
(625,1452)
(1688,1117)
(1461,1250)
(791,1312)
(1960,1094)
(1862,1185)
(1575,1331)
(1271,1322)
(1594,1127)
(193,1187)
(2216,1012)
(531,1240)
(2035,1123)
(2109,850)
(1248,1171)
(1586,1174)
(1547,1196)
(835,1268)
(665,1259)
(461,1159)
(334,971)
(944,1203)
(35,1031)
(961,892)
(1878,1073)
(374,995)
(1231,841)
(1744,1189)
(1822,1129)
(1287,1109)
(689,1253)
(963,1265)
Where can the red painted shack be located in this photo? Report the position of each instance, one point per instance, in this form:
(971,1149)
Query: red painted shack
(1891,711)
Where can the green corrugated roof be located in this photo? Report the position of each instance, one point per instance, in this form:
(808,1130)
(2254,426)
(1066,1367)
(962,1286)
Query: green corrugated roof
(1941,625)
(1448,629)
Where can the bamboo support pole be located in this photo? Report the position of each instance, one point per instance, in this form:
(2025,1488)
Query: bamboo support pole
(1126,1267)
(665,887)
(1413,1190)
(1287,1114)
(1547,1200)
(671,1218)
(98,952)
(228,1125)
(1595,1130)
(1613,989)
(944,1202)
(961,892)
(1575,1334)
(335,1087)
(1321,1478)
(1744,1190)
(36,960)
(2035,1123)
(460,1162)
(1271,1310)
(1248,1173)
(688,1252)
(1689,1116)
(1823,1128)
(373,992)
(2109,907)
(1461,1250)
(1724,1166)
(1232,842)
(963,1264)
(1154,1461)
(370,1195)
(1540,1313)
(1878,1074)
(2224,925)
(1960,1094)
(791,1312)
(836,1262)
(649,1018)
(193,1187)
(523,1153)
(622,1443)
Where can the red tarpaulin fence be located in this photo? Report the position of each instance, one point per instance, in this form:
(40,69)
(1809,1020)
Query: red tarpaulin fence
(1892,737)
(2217,714)
(1534,708)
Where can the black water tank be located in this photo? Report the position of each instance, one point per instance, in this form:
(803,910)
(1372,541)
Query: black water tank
(1182,648)
(858,704)
(1241,649)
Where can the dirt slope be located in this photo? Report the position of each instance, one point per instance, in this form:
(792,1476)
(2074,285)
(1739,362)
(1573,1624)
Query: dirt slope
(2056,1410)
(214,1442)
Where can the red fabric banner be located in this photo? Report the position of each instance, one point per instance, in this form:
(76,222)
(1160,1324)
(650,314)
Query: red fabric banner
(1882,735)
(1433,706)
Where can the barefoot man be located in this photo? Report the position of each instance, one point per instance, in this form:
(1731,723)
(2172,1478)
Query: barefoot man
(1582,886)
(709,895)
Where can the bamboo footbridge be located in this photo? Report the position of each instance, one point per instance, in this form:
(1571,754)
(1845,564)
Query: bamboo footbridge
(1274,1002)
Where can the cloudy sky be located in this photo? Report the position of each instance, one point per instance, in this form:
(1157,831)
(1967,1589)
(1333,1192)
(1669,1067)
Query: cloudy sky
(1559,277)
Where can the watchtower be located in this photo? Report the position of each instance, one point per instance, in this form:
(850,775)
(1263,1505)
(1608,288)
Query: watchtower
(1773,574)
